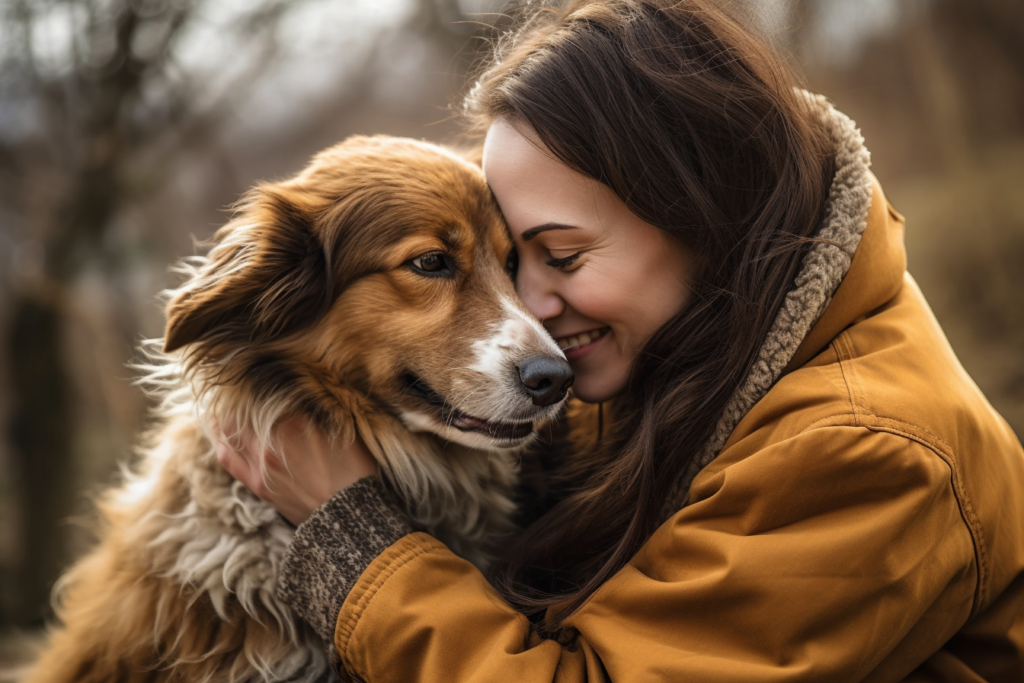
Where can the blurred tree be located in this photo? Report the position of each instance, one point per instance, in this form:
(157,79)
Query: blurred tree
(89,87)
(84,104)
(99,101)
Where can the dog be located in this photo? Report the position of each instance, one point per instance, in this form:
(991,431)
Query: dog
(370,292)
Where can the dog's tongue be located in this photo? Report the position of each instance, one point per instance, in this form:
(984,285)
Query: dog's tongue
(497,430)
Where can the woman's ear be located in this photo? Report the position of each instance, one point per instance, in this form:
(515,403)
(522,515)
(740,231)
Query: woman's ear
(267,275)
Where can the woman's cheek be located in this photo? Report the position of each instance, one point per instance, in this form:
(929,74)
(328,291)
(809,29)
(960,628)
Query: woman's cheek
(617,301)
(594,296)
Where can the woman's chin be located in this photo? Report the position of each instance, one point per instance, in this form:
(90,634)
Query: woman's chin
(602,372)
(591,389)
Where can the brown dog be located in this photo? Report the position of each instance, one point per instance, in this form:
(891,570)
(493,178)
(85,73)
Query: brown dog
(370,293)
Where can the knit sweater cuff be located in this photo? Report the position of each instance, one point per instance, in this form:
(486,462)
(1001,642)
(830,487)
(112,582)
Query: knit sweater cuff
(334,546)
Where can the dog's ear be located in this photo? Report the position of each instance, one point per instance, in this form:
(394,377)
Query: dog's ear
(267,275)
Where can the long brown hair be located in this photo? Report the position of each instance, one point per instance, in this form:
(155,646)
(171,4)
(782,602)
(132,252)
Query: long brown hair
(697,126)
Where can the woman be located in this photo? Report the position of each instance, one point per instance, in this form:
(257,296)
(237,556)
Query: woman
(792,477)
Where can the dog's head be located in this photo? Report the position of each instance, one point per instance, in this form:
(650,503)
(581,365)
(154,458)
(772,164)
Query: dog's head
(376,277)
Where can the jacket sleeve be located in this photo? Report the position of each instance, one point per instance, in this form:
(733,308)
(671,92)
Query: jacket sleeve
(836,555)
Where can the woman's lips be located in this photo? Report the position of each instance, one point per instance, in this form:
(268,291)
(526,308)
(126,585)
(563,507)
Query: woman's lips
(576,346)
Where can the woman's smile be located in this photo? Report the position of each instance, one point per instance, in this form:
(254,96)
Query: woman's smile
(575,346)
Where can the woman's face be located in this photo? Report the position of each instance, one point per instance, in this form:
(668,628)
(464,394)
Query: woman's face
(600,279)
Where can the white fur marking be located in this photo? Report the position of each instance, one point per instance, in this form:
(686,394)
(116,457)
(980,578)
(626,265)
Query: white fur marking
(418,422)
(512,334)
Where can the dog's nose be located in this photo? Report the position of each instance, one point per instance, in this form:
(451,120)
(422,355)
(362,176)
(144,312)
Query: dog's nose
(545,379)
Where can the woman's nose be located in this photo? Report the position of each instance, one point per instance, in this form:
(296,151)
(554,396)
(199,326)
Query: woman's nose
(538,295)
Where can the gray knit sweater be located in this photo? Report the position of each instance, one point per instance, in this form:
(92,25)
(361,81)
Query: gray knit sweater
(333,547)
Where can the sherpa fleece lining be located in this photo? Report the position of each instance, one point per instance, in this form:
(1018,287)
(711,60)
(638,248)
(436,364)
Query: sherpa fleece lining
(334,546)
(823,269)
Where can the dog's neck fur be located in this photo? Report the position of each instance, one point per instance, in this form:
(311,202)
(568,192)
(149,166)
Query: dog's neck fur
(213,537)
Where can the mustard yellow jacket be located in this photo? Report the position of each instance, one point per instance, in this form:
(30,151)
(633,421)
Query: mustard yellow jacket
(863,522)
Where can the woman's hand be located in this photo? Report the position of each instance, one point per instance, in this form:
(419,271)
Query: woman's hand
(308,469)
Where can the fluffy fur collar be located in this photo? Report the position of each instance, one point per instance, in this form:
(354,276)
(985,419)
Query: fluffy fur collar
(821,273)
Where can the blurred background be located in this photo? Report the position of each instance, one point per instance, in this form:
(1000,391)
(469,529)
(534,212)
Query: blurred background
(127,127)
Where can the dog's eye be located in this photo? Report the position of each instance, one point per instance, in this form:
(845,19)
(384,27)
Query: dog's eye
(433,263)
(512,264)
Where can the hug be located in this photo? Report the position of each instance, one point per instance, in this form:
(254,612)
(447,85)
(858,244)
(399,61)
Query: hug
(638,389)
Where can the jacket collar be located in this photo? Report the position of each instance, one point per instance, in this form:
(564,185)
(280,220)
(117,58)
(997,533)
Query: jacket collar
(874,278)
(857,267)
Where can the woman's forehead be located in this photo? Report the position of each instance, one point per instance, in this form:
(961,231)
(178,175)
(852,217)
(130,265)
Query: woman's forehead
(532,186)
(513,152)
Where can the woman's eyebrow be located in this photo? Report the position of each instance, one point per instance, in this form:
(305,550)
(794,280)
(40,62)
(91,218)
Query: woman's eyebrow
(536,230)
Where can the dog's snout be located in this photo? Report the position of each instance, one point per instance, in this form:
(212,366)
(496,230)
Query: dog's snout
(545,379)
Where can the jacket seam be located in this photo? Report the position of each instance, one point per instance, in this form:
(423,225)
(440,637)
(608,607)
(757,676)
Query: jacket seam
(967,511)
(936,445)
(834,420)
(839,341)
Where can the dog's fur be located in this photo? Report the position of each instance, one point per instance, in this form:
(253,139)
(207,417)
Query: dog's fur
(310,301)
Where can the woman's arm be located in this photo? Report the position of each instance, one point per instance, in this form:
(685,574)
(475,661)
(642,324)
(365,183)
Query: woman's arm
(838,555)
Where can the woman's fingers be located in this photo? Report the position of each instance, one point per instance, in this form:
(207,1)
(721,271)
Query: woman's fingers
(240,466)
(235,463)
(299,471)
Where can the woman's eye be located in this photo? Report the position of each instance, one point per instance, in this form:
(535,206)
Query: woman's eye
(433,263)
(512,264)
(563,262)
